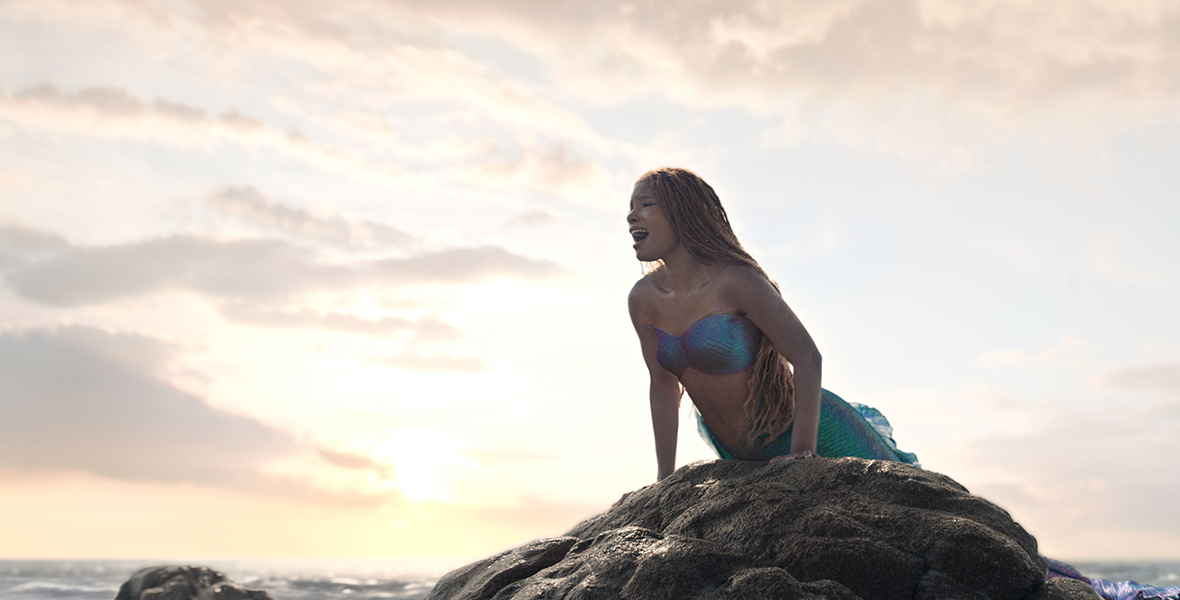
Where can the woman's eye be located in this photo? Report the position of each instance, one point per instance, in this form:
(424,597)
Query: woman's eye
(649,203)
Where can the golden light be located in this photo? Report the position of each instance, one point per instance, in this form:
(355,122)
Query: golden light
(425,461)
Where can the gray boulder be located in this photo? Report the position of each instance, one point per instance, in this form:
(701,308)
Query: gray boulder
(184,583)
(839,529)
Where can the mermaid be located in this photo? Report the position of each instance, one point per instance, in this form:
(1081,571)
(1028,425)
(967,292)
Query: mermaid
(713,324)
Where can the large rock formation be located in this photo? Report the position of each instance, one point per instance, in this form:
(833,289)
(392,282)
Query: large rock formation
(841,529)
(184,583)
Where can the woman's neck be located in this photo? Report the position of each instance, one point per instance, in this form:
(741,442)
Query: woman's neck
(684,274)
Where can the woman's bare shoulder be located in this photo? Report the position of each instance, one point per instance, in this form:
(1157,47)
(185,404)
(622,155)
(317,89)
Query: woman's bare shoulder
(642,294)
(737,274)
(738,282)
(647,285)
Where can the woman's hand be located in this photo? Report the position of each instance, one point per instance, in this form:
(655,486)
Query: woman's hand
(794,456)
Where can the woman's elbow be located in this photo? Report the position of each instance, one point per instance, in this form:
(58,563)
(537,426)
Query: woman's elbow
(814,359)
(664,383)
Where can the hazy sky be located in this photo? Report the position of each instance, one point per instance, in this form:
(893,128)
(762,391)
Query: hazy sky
(348,279)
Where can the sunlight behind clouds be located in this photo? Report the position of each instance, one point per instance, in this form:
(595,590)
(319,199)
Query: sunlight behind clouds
(354,275)
(423,462)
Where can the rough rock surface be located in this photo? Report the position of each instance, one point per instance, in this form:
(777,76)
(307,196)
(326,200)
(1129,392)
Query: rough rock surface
(841,529)
(184,583)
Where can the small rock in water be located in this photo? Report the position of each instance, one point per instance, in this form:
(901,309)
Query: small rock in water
(184,583)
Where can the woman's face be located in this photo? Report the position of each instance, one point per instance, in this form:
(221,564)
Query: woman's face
(649,226)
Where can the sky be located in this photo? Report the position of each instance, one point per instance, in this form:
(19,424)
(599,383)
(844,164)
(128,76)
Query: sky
(287,278)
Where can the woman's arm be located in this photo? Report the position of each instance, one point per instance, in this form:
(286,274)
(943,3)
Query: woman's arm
(765,307)
(665,421)
(664,392)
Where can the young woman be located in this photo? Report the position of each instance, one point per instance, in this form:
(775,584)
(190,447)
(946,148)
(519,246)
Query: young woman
(710,322)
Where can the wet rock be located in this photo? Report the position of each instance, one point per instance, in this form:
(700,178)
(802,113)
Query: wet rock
(841,529)
(1066,589)
(184,583)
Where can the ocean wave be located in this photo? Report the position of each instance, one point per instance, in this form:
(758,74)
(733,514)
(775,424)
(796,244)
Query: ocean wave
(345,587)
(55,589)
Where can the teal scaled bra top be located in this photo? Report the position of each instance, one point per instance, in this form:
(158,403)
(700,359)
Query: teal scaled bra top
(717,344)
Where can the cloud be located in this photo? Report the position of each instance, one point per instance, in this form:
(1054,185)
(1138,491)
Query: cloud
(432,362)
(180,110)
(538,215)
(348,460)
(913,67)
(1069,352)
(11,179)
(378,81)
(89,274)
(250,313)
(1013,55)
(539,514)
(556,170)
(259,282)
(252,206)
(21,244)
(115,113)
(915,77)
(1080,467)
(367,149)
(79,398)
(66,275)
(489,458)
(1162,379)
(458,265)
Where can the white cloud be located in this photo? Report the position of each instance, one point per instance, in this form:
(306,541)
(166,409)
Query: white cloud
(21,244)
(82,398)
(253,206)
(1161,379)
(76,398)
(252,313)
(1086,475)
(76,275)
(919,79)
(11,179)
(431,362)
(934,74)
(116,113)
(1069,352)
(555,170)
(1105,467)
(901,76)
(537,215)
(543,154)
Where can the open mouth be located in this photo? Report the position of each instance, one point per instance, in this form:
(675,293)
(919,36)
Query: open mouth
(638,234)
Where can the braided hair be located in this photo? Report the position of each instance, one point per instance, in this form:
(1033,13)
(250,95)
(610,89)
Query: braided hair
(696,215)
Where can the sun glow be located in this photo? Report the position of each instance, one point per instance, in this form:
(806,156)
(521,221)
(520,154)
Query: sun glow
(424,462)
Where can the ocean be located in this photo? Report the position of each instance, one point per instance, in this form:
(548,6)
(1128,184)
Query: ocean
(283,579)
(349,579)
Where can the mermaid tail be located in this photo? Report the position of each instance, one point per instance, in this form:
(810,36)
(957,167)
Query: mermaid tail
(851,429)
(845,429)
